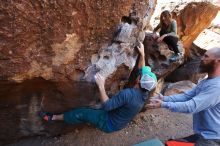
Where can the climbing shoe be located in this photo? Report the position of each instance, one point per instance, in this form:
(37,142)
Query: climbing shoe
(46,116)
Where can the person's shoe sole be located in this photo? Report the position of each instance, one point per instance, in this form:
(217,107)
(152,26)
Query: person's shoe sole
(46,116)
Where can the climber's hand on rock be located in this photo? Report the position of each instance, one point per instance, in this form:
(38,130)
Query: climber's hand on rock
(141,48)
(100,80)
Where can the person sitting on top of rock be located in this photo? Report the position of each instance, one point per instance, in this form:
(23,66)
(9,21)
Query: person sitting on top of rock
(168,33)
(116,112)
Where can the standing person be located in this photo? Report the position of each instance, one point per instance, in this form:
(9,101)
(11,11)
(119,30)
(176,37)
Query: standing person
(168,33)
(117,111)
(203,101)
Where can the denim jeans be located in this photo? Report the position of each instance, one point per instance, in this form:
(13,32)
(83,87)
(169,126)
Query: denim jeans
(172,41)
(96,117)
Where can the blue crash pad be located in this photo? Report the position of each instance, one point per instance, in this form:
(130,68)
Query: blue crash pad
(152,142)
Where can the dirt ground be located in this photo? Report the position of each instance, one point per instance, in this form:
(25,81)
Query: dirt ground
(157,123)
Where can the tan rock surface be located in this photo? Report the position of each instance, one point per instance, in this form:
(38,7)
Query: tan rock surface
(56,40)
(44,46)
(72,40)
(193,19)
(178,87)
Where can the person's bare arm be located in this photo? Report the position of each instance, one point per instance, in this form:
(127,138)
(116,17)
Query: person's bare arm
(141,62)
(156,28)
(100,81)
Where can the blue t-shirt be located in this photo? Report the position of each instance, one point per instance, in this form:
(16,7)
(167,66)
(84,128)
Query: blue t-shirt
(123,107)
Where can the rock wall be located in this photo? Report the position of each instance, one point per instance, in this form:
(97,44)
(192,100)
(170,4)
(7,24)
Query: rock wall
(72,40)
(68,41)
(62,40)
(192,19)
(157,56)
(178,87)
(190,69)
(190,24)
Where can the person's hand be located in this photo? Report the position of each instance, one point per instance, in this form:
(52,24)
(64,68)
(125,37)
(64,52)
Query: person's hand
(141,48)
(100,80)
(160,39)
(154,103)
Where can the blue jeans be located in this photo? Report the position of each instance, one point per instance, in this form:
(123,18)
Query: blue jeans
(96,117)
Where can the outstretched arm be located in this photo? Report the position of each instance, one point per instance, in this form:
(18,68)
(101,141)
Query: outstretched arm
(156,28)
(157,101)
(199,102)
(187,95)
(100,81)
(207,98)
(114,102)
(141,62)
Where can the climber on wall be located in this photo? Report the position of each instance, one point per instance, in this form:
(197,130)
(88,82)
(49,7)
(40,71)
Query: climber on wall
(116,112)
(168,33)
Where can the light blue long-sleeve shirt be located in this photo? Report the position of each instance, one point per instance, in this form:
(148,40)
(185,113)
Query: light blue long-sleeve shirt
(204,102)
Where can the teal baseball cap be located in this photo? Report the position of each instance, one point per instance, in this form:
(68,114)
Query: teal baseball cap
(148,79)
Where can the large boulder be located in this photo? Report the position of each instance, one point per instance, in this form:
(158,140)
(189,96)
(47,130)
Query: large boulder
(59,40)
(158,57)
(67,42)
(190,69)
(193,19)
(189,17)
(178,87)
